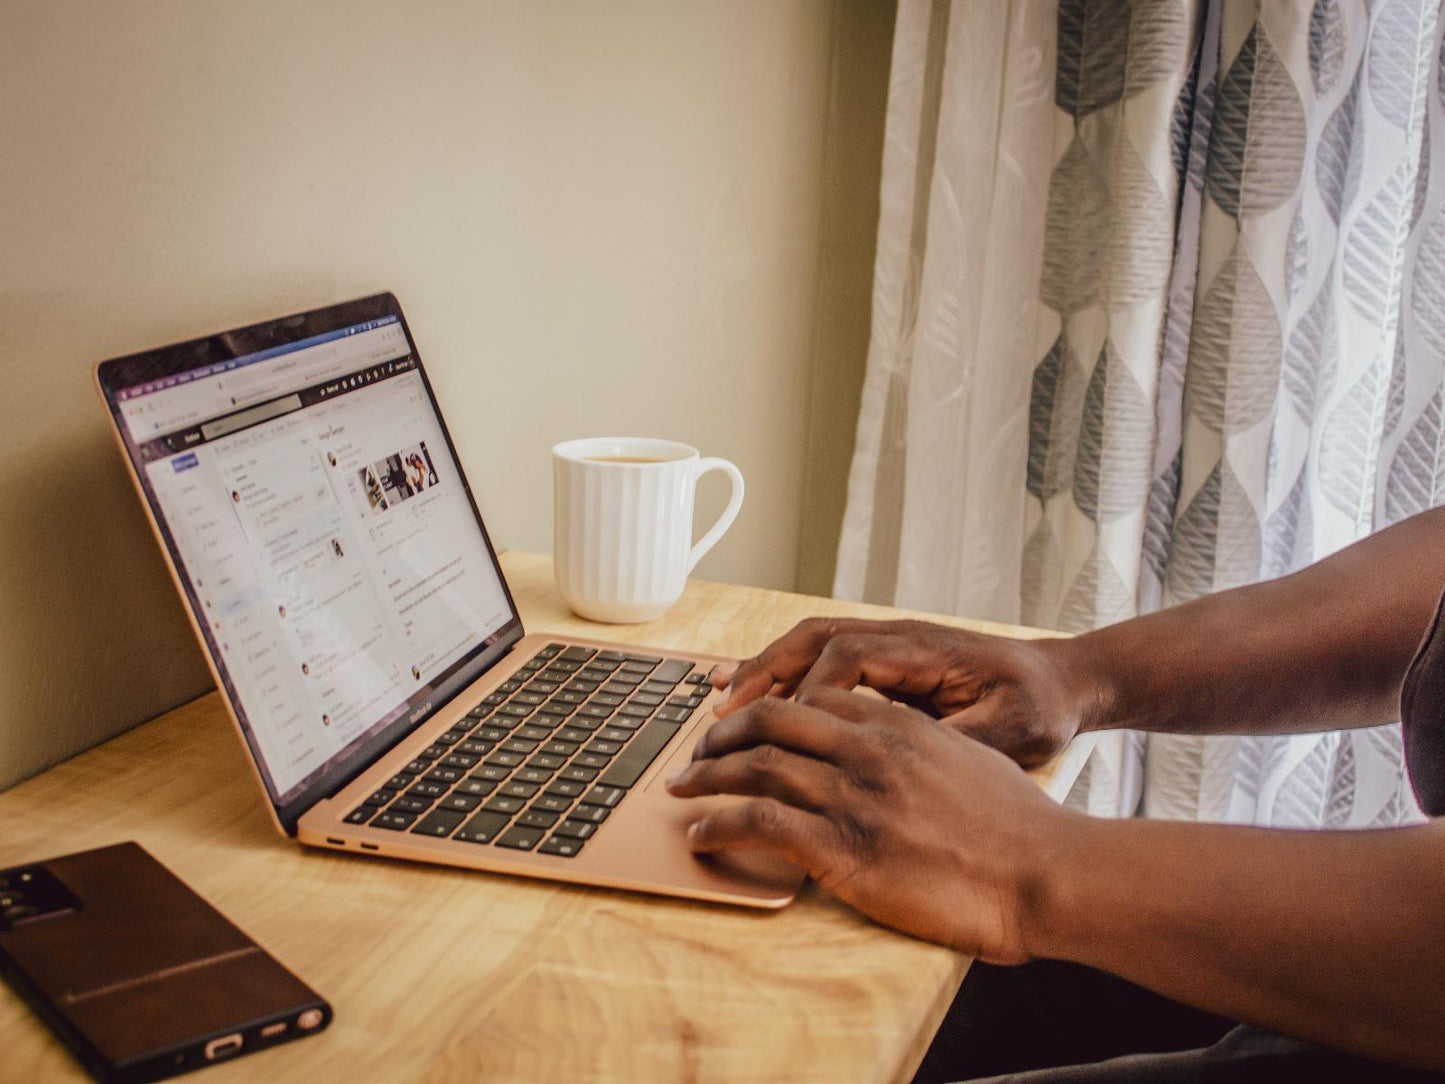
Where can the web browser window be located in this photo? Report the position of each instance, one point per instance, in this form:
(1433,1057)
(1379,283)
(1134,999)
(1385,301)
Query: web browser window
(323,526)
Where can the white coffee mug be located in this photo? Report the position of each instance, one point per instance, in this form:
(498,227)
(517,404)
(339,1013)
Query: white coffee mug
(622,523)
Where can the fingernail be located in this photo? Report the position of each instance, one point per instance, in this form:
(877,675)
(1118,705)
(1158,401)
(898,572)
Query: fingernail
(675,776)
(692,829)
(722,673)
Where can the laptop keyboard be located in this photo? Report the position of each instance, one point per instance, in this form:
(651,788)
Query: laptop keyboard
(541,763)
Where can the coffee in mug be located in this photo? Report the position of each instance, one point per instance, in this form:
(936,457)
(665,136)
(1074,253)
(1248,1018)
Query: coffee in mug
(622,523)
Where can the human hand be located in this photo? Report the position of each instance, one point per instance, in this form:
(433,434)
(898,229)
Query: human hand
(1023,697)
(908,820)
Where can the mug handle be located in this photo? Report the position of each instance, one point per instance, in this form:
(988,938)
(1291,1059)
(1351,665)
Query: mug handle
(730,513)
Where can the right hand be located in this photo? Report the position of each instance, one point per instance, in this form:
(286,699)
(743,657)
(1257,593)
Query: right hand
(1023,697)
(904,818)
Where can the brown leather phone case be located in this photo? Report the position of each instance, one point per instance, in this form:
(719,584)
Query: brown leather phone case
(140,977)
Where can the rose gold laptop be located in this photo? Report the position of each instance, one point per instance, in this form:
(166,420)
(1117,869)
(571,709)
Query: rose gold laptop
(318,524)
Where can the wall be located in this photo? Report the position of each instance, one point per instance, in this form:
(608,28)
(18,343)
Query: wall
(847,243)
(600,218)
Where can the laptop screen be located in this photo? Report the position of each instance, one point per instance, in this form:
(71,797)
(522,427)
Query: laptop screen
(323,532)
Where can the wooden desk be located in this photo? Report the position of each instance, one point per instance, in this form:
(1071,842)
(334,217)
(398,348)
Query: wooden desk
(438,975)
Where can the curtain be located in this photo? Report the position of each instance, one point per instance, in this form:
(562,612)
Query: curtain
(1159,309)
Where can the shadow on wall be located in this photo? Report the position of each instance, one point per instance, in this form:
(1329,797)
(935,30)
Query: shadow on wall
(93,637)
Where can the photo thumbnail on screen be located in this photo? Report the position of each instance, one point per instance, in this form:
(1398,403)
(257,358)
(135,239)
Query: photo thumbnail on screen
(398,477)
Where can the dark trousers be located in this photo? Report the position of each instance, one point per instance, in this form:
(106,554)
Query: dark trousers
(1058,1023)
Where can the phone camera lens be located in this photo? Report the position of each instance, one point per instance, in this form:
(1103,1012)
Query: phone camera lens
(18,911)
(9,899)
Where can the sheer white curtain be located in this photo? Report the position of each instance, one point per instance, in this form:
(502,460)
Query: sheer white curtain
(1159,309)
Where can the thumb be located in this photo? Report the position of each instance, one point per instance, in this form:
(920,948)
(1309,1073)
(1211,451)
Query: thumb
(1022,735)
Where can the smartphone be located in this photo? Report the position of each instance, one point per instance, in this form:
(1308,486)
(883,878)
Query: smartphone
(136,974)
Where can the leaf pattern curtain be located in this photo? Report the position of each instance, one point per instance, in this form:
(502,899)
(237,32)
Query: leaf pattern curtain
(1159,309)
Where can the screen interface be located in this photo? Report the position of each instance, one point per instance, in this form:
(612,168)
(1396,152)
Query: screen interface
(324,535)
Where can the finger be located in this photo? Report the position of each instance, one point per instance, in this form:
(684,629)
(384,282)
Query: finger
(788,658)
(722,673)
(752,679)
(764,771)
(847,704)
(893,664)
(765,824)
(878,733)
(783,689)
(784,723)
(922,704)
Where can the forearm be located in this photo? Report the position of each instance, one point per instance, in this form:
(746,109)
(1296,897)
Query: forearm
(1323,649)
(1332,937)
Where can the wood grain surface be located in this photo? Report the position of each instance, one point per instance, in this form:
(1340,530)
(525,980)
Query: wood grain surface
(439,975)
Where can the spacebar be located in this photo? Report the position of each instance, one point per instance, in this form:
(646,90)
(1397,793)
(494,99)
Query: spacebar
(641,751)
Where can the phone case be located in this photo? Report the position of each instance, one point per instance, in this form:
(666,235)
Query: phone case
(140,977)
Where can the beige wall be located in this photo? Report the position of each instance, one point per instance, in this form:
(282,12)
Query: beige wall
(600,218)
(847,242)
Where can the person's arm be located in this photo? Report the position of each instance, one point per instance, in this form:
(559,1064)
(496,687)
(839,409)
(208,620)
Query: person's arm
(1333,937)
(1323,649)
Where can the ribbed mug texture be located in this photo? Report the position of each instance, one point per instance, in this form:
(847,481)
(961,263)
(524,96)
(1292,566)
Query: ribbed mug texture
(623,531)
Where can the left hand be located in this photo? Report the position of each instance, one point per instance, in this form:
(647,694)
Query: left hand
(1027,698)
(897,814)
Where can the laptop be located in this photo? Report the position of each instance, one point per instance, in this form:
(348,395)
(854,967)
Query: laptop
(325,539)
